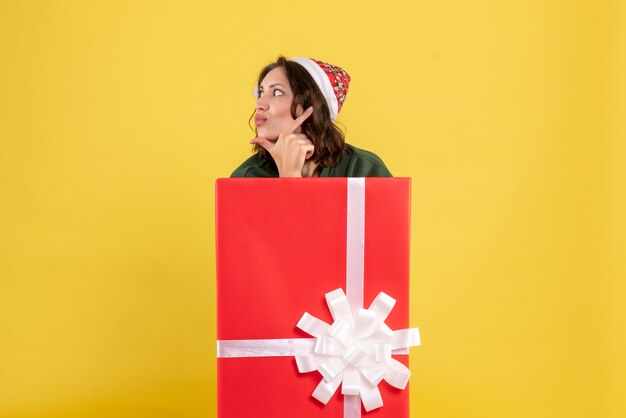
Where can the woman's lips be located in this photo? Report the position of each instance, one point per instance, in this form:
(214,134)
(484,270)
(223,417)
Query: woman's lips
(259,120)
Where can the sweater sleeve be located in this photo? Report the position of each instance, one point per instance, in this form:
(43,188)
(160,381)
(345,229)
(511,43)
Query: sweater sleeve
(254,167)
(367,164)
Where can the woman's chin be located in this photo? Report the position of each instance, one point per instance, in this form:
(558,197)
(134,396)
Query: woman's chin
(267,134)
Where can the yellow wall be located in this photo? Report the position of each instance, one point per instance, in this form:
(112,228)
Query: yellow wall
(117,117)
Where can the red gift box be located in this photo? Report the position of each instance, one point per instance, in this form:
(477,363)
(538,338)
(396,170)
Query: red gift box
(282,246)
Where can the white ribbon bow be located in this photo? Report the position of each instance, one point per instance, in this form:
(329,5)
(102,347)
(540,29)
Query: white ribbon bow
(355,352)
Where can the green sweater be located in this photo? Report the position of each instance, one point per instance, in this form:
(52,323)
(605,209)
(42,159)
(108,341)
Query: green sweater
(355,162)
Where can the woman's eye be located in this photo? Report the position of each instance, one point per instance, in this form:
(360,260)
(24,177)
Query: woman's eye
(278,92)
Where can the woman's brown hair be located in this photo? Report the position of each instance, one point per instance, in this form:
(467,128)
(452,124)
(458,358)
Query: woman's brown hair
(327,139)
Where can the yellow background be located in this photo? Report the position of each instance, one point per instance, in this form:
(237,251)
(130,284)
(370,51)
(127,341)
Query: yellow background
(116,118)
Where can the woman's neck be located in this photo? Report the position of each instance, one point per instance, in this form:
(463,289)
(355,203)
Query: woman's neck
(310,169)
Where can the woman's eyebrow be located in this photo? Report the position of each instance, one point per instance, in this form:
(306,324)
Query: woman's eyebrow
(273,85)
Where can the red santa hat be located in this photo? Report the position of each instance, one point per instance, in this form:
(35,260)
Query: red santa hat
(332,81)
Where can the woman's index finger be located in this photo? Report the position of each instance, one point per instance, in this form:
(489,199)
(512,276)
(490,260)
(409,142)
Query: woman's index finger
(300,119)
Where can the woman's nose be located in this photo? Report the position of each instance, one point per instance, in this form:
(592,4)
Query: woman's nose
(261,104)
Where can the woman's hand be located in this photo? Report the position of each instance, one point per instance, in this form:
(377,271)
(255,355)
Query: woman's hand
(291,150)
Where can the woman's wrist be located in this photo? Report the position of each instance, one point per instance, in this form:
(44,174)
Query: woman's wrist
(289,173)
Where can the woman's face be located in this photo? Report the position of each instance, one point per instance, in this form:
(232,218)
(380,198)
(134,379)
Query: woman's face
(273,107)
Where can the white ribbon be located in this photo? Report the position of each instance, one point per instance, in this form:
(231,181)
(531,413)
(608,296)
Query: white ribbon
(355,242)
(275,347)
(355,351)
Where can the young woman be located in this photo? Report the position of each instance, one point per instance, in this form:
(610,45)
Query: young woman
(297,102)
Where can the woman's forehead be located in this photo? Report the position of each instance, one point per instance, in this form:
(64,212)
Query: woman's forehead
(275,76)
